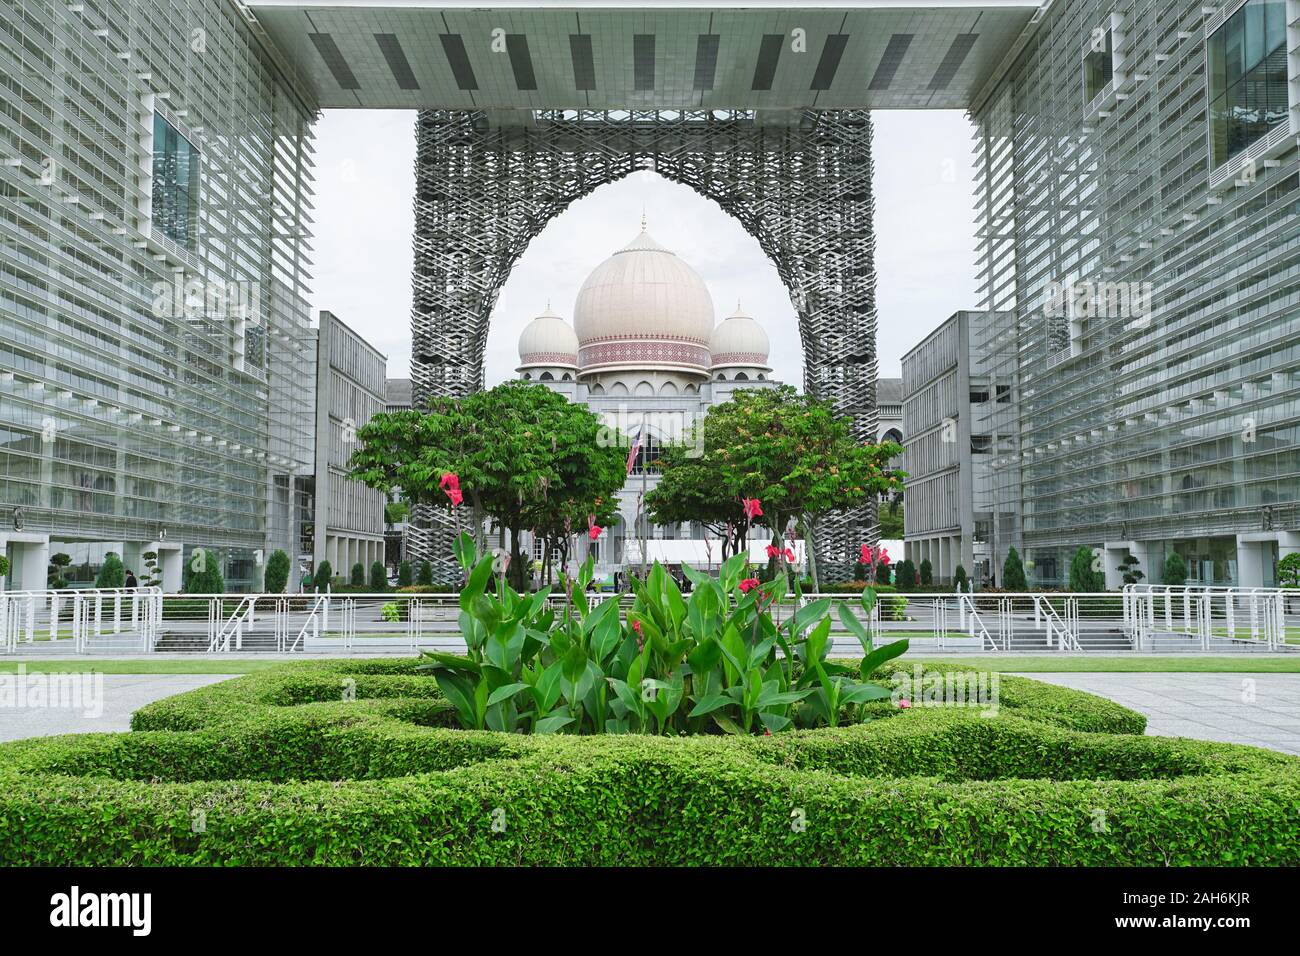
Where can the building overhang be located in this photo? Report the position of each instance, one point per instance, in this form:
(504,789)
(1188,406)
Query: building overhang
(517,57)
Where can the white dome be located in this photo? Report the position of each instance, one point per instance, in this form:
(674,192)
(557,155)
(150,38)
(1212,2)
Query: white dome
(739,340)
(548,340)
(643,308)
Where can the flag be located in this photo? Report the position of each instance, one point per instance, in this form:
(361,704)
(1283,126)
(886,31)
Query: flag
(636,448)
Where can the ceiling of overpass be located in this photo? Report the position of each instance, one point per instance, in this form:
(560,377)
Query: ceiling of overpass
(409,54)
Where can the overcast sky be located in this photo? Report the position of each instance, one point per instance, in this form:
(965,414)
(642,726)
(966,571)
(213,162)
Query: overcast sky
(924,240)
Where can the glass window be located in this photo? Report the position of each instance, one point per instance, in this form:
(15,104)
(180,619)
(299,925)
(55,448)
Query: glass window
(1098,66)
(1247,84)
(175,183)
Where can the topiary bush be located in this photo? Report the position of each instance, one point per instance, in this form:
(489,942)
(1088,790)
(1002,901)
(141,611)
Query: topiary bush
(322,576)
(927,572)
(1175,570)
(906,575)
(1013,572)
(112,574)
(405,577)
(378,577)
(960,580)
(358,579)
(425,576)
(276,576)
(355,762)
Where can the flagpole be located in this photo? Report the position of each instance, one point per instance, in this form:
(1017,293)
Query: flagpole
(644,520)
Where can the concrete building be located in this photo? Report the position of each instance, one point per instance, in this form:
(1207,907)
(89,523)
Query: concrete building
(350,389)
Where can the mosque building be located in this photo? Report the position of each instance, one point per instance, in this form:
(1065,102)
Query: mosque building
(645,355)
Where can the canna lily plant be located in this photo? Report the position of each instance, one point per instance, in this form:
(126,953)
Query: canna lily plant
(715,661)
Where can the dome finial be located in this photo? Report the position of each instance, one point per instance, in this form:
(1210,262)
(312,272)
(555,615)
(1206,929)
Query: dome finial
(643,217)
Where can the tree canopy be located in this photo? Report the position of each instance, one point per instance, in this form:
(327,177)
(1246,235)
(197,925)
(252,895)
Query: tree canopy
(792,452)
(521,453)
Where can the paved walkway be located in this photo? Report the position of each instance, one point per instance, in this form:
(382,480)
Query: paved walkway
(42,705)
(1258,709)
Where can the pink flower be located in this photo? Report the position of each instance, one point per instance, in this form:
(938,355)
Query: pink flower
(772,551)
(904,704)
(594,531)
(748,585)
(455,496)
(753,508)
(866,554)
(788,555)
(884,556)
(636,626)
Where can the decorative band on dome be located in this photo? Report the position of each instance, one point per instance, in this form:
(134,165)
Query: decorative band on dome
(645,337)
(548,358)
(740,358)
(662,352)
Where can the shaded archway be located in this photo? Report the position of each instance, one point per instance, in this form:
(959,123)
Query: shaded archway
(800,184)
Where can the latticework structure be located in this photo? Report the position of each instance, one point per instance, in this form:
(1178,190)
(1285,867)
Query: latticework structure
(484,190)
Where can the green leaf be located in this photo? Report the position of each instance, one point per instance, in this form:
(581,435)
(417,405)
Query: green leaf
(854,626)
(705,657)
(709,704)
(880,655)
(549,725)
(505,693)
(727,724)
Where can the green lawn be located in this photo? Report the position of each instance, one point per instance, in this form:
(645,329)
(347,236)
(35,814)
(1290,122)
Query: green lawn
(183,665)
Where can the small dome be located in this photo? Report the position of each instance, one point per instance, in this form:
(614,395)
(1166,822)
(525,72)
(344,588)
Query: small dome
(548,340)
(643,307)
(739,340)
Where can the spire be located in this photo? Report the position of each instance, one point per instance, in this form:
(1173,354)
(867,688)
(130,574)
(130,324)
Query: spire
(643,217)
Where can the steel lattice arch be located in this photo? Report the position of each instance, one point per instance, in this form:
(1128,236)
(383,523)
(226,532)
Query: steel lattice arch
(484,191)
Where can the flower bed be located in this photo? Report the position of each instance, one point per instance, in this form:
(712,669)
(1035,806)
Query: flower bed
(359,762)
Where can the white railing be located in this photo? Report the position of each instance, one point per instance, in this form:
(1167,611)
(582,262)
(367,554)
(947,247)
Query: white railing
(1146,618)
(109,619)
(1213,618)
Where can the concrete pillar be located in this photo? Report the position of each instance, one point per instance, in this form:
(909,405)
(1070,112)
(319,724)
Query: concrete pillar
(1112,553)
(171,556)
(1250,562)
(31,570)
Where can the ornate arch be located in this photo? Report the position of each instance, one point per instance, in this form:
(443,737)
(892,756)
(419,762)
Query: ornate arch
(801,187)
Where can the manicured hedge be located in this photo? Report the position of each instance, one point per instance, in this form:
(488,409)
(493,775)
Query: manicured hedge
(357,762)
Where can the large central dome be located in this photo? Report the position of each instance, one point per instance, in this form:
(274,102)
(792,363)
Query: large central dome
(643,308)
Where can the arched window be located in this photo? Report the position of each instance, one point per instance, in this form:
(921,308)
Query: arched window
(691,389)
(894,435)
(668,388)
(762,377)
(618,388)
(644,389)
(596,389)
(528,376)
(741,377)
(721,377)
(566,377)
(546,377)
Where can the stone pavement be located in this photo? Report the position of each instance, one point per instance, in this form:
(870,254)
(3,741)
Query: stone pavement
(1258,709)
(42,705)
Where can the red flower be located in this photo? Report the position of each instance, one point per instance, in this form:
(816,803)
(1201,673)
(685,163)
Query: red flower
(904,703)
(884,556)
(767,731)
(753,508)
(866,554)
(450,483)
(788,555)
(748,585)
(636,626)
(772,551)
(594,531)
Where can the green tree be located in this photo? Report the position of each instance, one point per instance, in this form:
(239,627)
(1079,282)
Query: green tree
(378,577)
(1084,577)
(425,576)
(276,576)
(960,579)
(792,452)
(1288,571)
(1013,572)
(358,579)
(515,448)
(1129,569)
(322,576)
(927,573)
(1175,569)
(891,518)
(201,574)
(405,577)
(59,564)
(395,512)
(906,575)
(111,573)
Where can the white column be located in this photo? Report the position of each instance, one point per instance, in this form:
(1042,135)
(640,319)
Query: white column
(1250,563)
